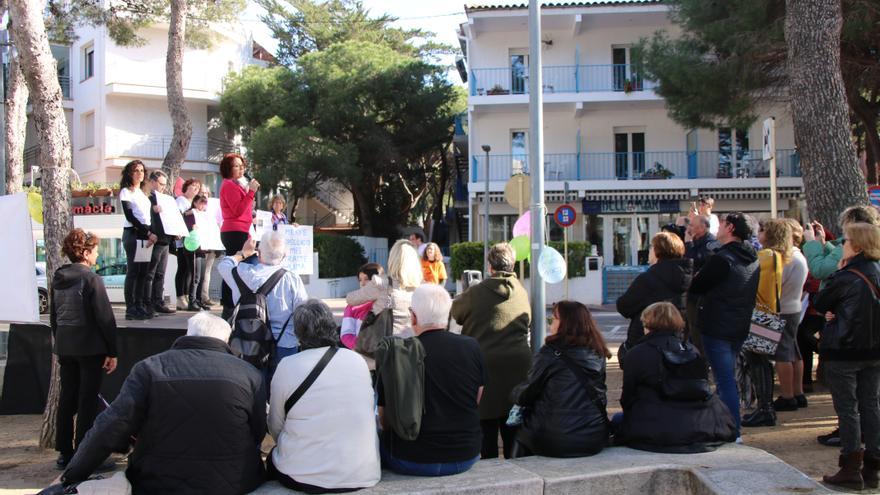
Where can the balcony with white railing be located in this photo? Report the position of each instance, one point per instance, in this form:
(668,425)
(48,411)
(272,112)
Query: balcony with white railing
(155,147)
(650,165)
(614,78)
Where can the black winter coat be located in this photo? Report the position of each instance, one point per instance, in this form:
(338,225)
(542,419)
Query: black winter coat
(701,249)
(854,333)
(199,414)
(654,422)
(666,280)
(560,419)
(80,315)
(727,287)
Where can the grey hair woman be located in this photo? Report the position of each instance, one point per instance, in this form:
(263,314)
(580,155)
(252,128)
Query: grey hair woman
(314,326)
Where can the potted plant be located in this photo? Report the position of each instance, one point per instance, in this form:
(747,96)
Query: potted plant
(498,90)
(658,172)
(628,86)
(724,171)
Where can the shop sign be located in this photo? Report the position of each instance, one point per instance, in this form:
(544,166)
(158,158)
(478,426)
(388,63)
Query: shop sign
(93,209)
(623,206)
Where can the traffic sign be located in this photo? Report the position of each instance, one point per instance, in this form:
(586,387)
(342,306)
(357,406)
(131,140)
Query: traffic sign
(565,216)
(517,192)
(874,195)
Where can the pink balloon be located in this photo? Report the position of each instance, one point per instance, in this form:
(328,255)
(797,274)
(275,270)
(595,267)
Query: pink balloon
(523,225)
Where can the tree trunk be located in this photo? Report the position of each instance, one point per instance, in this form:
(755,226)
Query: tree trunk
(40,73)
(16,125)
(174,81)
(364,201)
(832,179)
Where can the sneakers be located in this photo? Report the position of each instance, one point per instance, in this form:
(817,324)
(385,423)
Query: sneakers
(783,404)
(761,417)
(830,439)
(801,400)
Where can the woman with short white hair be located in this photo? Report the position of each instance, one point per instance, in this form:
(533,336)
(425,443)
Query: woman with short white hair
(321,445)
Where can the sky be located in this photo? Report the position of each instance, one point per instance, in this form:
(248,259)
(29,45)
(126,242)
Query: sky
(440,16)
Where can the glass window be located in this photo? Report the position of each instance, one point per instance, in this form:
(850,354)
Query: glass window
(111,257)
(88,68)
(595,232)
(519,152)
(519,71)
(501,227)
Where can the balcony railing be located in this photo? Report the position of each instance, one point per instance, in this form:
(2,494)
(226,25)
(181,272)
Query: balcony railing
(651,165)
(64,81)
(559,79)
(156,147)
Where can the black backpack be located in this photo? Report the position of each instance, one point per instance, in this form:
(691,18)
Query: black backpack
(684,377)
(251,337)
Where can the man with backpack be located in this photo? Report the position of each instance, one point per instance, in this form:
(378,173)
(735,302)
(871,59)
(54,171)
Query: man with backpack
(265,295)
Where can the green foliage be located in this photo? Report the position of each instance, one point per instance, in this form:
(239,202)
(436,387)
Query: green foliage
(338,256)
(359,113)
(124,18)
(469,256)
(305,26)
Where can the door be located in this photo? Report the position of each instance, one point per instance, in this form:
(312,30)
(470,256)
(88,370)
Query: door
(629,164)
(628,238)
(519,152)
(618,69)
(519,71)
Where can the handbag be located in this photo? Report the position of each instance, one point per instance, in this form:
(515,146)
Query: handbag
(766,328)
(374,328)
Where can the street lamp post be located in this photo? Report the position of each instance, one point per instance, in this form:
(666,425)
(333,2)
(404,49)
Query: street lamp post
(536,165)
(487,149)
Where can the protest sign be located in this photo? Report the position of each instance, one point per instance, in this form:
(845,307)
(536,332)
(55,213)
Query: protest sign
(209,231)
(18,298)
(262,223)
(300,248)
(172,220)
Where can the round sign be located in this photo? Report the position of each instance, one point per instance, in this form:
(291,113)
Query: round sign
(517,192)
(874,195)
(565,216)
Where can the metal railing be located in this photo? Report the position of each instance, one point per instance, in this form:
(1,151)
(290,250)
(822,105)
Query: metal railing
(559,79)
(156,147)
(650,165)
(64,81)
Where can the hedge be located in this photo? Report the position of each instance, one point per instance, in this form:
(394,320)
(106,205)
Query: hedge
(338,256)
(469,256)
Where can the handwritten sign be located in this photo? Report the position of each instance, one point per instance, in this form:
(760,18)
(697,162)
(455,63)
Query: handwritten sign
(300,248)
(209,231)
(172,220)
(215,211)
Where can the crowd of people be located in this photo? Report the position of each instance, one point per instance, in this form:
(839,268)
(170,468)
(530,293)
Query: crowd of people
(393,388)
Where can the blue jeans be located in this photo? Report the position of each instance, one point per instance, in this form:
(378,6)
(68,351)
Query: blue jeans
(721,355)
(401,466)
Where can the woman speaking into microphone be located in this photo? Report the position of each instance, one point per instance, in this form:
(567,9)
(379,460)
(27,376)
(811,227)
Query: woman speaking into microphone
(237,206)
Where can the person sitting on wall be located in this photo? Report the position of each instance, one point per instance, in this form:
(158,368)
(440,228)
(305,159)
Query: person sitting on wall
(199,414)
(449,438)
(668,405)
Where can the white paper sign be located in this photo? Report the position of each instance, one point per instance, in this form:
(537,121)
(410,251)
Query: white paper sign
(18,300)
(144,253)
(768,145)
(215,211)
(262,222)
(209,232)
(300,248)
(172,220)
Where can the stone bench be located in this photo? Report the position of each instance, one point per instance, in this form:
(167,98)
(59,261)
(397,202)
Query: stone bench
(732,469)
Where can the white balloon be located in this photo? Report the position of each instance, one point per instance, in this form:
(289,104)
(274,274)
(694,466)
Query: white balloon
(551,266)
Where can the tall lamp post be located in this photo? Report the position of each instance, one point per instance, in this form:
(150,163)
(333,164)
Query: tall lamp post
(536,165)
(487,149)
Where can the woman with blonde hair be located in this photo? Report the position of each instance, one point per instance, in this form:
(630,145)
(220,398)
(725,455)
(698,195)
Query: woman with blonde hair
(433,268)
(395,290)
(776,238)
(850,352)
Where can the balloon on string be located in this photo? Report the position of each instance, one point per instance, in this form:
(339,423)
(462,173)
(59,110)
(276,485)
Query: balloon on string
(551,266)
(520,245)
(191,243)
(523,225)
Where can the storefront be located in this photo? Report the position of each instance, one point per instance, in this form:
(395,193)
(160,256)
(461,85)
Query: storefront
(621,229)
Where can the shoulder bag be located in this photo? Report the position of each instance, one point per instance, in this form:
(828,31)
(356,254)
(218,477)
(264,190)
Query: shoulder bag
(313,375)
(375,328)
(766,329)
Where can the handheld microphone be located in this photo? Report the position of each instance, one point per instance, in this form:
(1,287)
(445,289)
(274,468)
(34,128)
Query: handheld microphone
(248,176)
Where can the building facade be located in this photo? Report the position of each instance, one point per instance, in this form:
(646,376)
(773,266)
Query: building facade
(628,167)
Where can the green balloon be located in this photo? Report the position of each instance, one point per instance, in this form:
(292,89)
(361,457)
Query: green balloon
(191,243)
(520,245)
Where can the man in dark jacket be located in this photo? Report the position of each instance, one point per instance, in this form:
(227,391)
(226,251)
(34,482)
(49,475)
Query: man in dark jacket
(727,287)
(199,414)
(497,313)
(155,279)
(699,242)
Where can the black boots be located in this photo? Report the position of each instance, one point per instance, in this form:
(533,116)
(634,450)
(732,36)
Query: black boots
(762,417)
(870,470)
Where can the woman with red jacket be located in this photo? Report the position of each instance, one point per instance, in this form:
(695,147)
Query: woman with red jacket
(237,206)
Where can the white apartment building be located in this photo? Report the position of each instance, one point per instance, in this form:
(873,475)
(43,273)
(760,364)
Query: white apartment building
(630,169)
(116,103)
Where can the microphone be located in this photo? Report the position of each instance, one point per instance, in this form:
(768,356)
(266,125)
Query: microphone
(248,176)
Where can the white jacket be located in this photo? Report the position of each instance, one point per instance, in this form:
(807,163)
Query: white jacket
(329,438)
